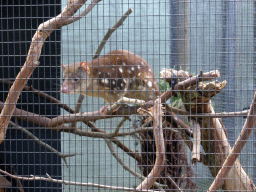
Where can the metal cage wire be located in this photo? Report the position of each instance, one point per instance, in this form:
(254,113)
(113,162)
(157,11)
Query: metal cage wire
(107,138)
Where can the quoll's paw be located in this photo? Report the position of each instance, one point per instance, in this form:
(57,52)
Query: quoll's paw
(105,109)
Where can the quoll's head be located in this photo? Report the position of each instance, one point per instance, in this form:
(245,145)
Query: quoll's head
(75,78)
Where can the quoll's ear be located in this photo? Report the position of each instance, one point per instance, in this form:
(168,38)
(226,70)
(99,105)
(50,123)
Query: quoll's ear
(83,64)
(85,67)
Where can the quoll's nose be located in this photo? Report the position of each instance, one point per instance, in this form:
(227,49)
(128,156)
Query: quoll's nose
(64,89)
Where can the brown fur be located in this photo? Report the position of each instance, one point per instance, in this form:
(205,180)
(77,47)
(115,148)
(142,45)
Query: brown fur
(118,73)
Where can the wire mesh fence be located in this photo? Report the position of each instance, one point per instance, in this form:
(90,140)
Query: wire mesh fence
(127,95)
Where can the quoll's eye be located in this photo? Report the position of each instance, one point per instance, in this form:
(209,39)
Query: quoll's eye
(76,79)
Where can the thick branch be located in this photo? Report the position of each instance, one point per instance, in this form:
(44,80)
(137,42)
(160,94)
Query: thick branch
(160,148)
(42,33)
(236,150)
(189,82)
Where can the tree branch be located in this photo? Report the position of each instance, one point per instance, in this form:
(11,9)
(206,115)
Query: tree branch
(236,150)
(65,182)
(110,31)
(125,166)
(42,33)
(41,94)
(187,83)
(196,142)
(61,155)
(160,148)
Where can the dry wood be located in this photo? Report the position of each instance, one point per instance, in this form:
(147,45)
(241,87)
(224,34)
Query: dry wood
(125,166)
(32,61)
(214,134)
(4,183)
(187,83)
(235,152)
(41,94)
(214,138)
(239,181)
(65,182)
(160,148)
(196,142)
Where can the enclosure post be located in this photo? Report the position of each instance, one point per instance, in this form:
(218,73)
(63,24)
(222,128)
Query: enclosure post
(228,66)
(254,79)
(179,34)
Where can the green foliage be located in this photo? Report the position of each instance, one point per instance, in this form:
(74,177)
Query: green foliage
(176,101)
(163,85)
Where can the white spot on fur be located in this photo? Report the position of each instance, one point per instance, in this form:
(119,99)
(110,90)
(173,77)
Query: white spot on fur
(132,68)
(108,74)
(149,70)
(113,69)
(122,84)
(139,74)
(121,70)
(124,63)
(139,67)
(104,81)
(129,71)
(142,63)
(99,72)
(150,84)
(113,82)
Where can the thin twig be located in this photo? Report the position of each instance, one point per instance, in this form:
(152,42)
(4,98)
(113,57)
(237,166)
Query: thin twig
(169,178)
(63,156)
(41,94)
(32,61)
(121,145)
(120,124)
(181,112)
(125,166)
(65,182)
(110,31)
(78,107)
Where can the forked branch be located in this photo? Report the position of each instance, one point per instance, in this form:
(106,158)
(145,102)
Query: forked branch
(32,61)
(236,150)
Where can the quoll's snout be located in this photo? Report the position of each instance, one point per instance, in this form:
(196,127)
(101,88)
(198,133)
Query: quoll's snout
(64,89)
